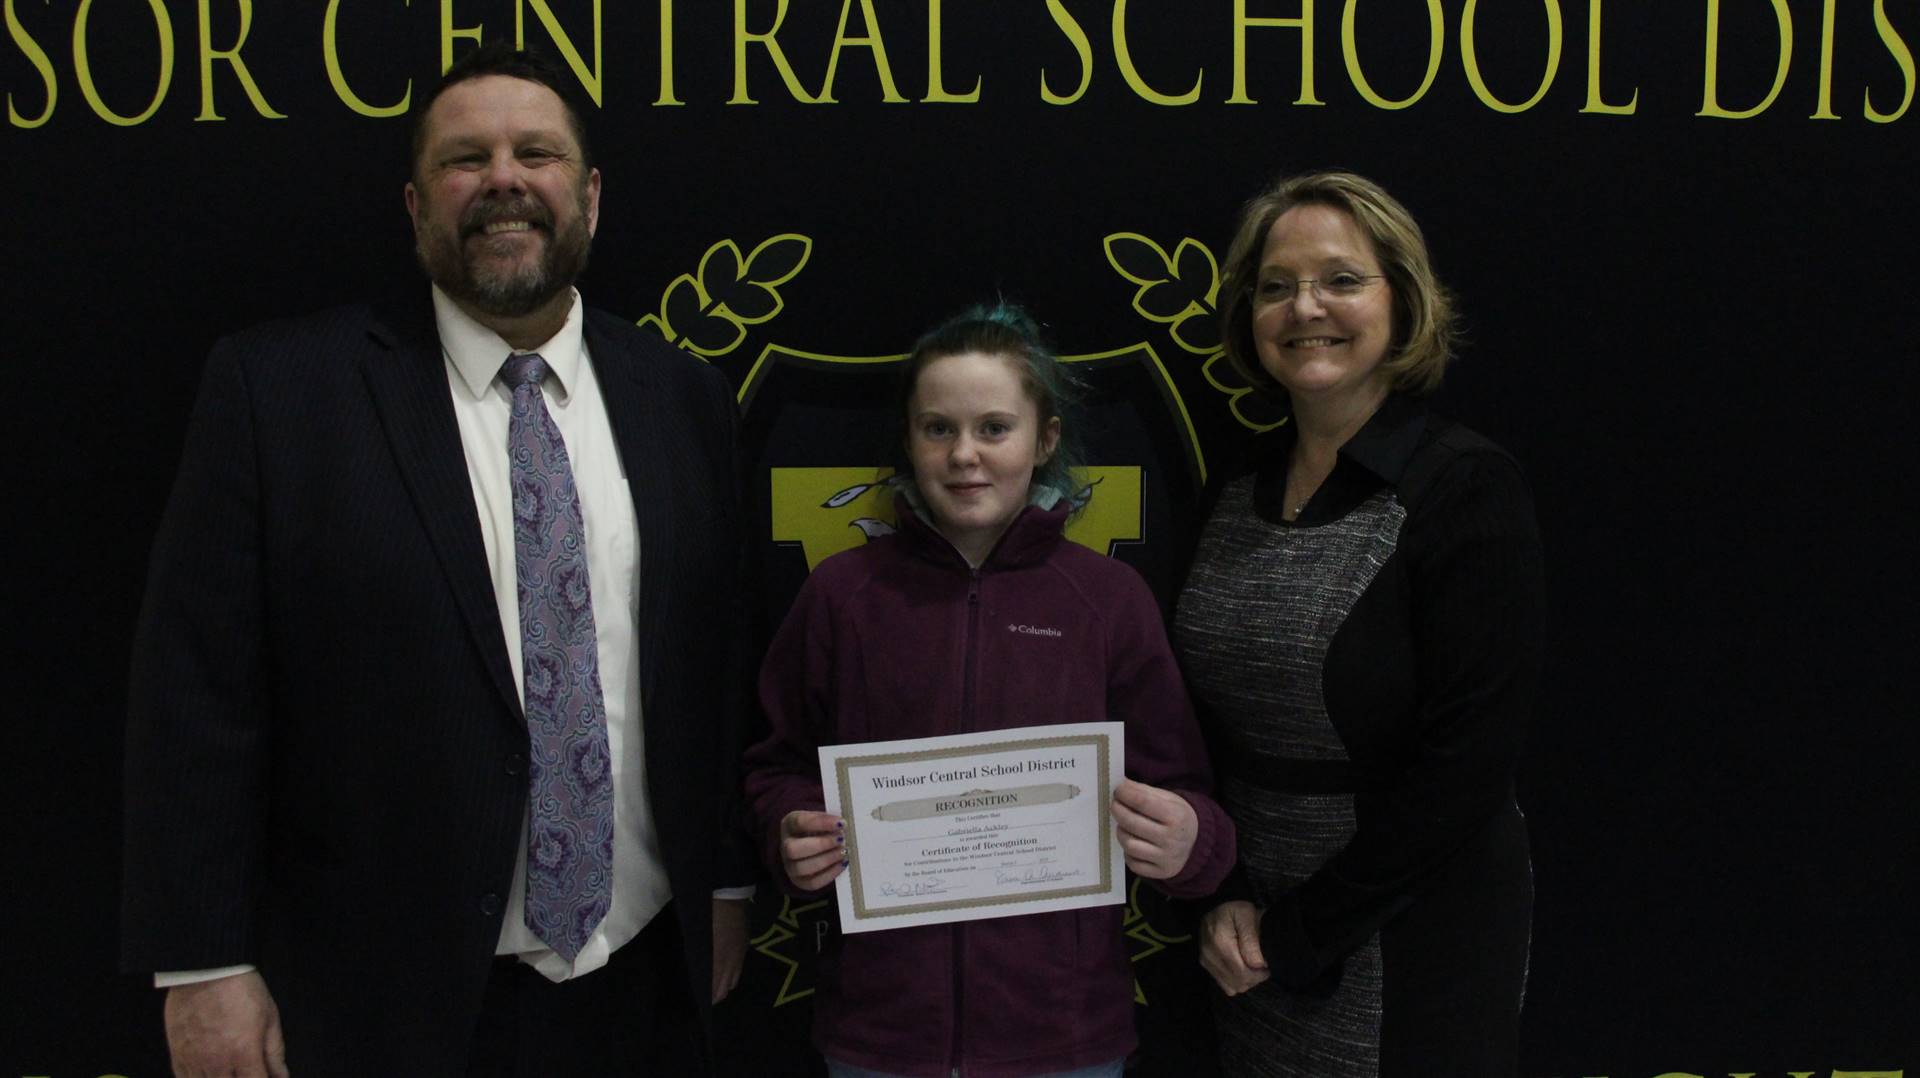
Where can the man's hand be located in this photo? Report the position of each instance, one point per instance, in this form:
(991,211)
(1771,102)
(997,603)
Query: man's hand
(729,944)
(225,1027)
(813,848)
(1230,947)
(1157,829)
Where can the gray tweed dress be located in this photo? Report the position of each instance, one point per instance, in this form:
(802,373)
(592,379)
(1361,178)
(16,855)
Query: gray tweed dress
(1366,674)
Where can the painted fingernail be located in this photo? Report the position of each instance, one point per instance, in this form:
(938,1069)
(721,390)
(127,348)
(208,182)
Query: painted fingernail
(841,839)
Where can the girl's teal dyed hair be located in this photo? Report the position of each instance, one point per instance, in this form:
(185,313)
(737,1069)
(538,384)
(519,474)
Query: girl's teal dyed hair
(1005,329)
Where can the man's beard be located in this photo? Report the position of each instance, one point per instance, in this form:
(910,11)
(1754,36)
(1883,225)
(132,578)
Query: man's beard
(507,292)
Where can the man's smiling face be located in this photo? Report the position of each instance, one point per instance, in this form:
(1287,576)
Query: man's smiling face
(503,209)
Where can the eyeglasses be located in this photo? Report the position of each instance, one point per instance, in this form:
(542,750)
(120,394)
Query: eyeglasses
(1341,287)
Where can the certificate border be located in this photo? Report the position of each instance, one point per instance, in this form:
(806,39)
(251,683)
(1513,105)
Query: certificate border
(1102,743)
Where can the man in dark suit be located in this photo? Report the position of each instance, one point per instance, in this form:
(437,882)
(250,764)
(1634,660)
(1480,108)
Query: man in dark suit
(433,715)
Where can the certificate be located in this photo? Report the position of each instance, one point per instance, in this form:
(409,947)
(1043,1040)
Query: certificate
(970,826)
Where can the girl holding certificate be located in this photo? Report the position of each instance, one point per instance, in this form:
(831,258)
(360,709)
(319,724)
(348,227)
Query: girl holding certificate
(978,614)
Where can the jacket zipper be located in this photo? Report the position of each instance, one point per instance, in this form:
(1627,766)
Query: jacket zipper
(968,659)
(968,653)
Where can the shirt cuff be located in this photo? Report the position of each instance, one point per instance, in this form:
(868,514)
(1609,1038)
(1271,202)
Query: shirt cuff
(195,976)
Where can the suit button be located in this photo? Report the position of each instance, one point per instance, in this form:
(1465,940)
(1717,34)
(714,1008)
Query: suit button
(489,904)
(515,764)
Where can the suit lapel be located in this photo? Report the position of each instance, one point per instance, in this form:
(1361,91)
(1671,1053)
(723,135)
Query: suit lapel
(642,430)
(408,381)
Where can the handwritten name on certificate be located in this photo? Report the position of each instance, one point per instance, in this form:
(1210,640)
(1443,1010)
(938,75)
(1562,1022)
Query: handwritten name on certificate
(970,826)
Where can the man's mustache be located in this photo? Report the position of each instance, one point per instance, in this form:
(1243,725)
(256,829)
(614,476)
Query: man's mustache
(485,213)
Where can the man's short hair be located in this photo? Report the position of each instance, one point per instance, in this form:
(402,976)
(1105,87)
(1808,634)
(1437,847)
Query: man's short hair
(499,57)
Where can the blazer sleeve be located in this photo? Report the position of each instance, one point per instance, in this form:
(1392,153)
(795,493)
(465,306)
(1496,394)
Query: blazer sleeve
(198,717)
(796,697)
(1164,745)
(734,861)
(1477,619)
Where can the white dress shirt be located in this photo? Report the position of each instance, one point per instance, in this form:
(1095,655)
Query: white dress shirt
(483,406)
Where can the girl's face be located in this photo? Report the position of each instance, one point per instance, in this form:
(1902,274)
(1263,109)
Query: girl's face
(974,437)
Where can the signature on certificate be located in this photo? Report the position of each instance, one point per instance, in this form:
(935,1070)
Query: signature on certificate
(1041,873)
(913,888)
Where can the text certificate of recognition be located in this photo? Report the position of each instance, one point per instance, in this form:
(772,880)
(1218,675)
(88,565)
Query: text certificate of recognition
(970,826)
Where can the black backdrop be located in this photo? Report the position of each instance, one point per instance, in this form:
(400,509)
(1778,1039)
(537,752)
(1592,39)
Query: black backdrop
(1695,330)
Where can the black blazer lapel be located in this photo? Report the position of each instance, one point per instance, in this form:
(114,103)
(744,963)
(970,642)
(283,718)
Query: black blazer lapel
(407,376)
(645,436)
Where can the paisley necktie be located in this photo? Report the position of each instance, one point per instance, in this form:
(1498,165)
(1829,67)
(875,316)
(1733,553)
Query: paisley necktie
(570,796)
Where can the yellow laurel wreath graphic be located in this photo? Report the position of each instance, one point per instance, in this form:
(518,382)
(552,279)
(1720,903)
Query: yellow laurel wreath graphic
(1182,291)
(707,312)
(1174,289)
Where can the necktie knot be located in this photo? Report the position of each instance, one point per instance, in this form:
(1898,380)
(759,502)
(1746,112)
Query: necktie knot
(525,369)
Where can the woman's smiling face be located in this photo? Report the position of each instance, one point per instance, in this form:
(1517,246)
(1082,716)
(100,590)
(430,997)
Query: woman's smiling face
(1315,343)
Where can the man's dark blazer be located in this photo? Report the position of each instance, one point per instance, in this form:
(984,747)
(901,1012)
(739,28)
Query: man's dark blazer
(326,755)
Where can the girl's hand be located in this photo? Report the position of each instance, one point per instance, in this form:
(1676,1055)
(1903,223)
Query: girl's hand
(1157,829)
(1230,947)
(813,848)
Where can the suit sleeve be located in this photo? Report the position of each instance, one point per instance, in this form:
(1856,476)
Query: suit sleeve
(734,861)
(198,717)
(1477,618)
(1164,745)
(783,769)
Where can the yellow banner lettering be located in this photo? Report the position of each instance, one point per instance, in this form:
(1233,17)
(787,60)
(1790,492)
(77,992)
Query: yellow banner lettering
(1823,110)
(83,69)
(208,54)
(1436,44)
(450,33)
(1470,59)
(1896,46)
(1242,22)
(1131,74)
(330,52)
(872,42)
(1594,101)
(36,56)
(1078,37)
(1710,97)
(666,56)
(590,81)
(741,39)
(936,85)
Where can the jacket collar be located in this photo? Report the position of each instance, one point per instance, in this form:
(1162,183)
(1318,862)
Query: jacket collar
(1377,455)
(1031,536)
(1383,445)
